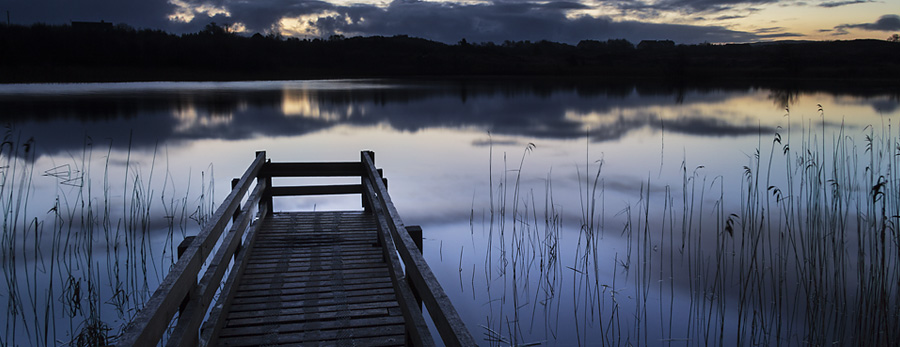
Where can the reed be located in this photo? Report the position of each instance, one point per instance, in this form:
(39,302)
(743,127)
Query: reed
(77,270)
(522,279)
(801,248)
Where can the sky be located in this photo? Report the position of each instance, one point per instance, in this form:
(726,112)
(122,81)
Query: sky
(449,21)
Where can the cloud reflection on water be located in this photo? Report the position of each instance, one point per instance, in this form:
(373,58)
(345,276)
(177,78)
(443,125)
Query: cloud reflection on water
(178,112)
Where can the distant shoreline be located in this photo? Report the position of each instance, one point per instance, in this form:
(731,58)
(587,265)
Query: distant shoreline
(59,54)
(64,75)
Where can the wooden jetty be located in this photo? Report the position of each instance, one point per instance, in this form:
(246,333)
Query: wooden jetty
(300,278)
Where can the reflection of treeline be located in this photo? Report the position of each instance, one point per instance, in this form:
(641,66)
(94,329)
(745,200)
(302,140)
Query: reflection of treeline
(83,53)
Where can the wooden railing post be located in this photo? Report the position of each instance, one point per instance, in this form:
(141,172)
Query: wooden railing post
(365,198)
(191,294)
(237,213)
(267,194)
(415,232)
(234,218)
(183,246)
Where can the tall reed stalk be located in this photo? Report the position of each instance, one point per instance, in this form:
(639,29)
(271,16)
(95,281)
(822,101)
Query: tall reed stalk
(77,270)
(802,248)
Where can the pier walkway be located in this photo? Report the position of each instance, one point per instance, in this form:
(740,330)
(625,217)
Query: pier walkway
(345,278)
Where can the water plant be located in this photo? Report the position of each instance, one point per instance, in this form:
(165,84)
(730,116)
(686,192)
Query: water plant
(76,270)
(800,246)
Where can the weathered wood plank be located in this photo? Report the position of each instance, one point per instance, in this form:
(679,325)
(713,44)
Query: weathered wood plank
(299,247)
(262,276)
(337,189)
(271,270)
(323,328)
(317,268)
(314,275)
(330,304)
(302,265)
(234,325)
(248,303)
(378,341)
(335,169)
(298,255)
(295,291)
(315,284)
(296,334)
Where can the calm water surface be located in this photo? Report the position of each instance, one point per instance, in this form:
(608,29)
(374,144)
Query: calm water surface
(101,181)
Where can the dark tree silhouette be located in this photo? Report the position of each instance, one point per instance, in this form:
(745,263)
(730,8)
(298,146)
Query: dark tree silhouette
(45,53)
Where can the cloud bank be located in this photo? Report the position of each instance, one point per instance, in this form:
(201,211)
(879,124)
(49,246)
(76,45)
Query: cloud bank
(888,22)
(138,13)
(491,20)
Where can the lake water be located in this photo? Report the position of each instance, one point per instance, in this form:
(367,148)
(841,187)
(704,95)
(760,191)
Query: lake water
(558,212)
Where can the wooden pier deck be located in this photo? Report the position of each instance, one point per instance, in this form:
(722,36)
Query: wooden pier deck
(315,277)
(300,278)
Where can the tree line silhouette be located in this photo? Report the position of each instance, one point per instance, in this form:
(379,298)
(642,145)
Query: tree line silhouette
(106,52)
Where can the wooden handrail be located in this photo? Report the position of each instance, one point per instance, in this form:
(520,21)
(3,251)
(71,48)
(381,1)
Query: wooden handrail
(447,321)
(335,169)
(317,190)
(209,333)
(191,317)
(148,326)
(415,322)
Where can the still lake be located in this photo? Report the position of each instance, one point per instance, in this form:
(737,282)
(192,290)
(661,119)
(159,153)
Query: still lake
(556,212)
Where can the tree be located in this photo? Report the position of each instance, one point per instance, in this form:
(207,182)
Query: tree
(894,38)
(213,29)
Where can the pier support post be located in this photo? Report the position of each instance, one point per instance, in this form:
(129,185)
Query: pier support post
(415,232)
(365,197)
(234,218)
(267,193)
(237,212)
(183,246)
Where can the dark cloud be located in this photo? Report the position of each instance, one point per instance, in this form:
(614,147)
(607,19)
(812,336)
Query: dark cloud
(768,30)
(138,13)
(446,22)
(707,5)
(780,35)
(729,17)
(262,15)
(773,32)
(831,4)
(888,22)
(565,5)
(840,32)
(496,22)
